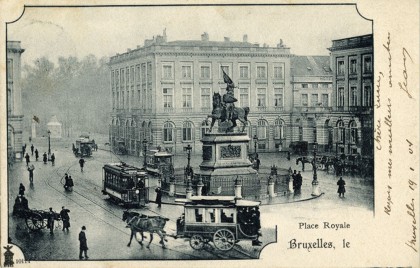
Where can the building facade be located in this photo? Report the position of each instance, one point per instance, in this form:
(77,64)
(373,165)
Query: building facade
(14,100)
(352,120)
(162,92)
(312,101)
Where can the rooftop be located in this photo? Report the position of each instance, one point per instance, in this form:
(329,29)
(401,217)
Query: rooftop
(310,66)
(352,42)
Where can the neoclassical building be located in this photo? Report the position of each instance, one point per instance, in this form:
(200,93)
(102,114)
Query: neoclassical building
(14,99)
(162,92)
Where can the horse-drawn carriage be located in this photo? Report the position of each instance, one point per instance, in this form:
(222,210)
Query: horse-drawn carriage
(222,220)
(36,219)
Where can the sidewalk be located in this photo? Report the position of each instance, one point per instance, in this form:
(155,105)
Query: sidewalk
(281,198)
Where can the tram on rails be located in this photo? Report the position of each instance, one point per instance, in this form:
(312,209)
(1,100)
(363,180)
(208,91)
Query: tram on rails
(126,184)
(159,162)
(84,146)
(223,220)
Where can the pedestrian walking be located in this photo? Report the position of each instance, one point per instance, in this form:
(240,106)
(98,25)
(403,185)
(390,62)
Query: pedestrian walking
(32,149)
(341,187)
(50,222)
(36,154)
(64,213)
(21,189)
(298,182)
(68,185)
(288,155)
(294,179)
(53,159)
(158,196)
(44,158)
(83,244)
(31,169)
(82,163)
(23,149)
(27,157)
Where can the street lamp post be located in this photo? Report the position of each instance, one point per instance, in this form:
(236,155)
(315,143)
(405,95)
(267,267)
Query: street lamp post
(144,152)
(49,145)
(255,144)
(189,186)
(315,186)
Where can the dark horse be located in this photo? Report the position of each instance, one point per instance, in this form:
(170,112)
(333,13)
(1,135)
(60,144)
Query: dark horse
(219,112)
(139,223)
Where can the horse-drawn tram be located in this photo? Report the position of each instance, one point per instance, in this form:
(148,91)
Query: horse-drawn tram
(126,184)
(222,220)
(84,146)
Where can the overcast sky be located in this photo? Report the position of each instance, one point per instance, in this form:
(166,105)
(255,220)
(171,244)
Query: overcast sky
(105,31)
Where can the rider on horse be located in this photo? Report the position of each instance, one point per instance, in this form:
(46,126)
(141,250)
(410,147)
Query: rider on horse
(228,97)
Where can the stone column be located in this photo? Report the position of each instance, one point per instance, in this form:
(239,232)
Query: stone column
(271,192)
(33,129)
(238,189)
(189,188)
(172,187)
(200,186)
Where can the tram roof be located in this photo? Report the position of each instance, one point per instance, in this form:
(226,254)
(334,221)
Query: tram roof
(123,167)
(218,200)
(157,152)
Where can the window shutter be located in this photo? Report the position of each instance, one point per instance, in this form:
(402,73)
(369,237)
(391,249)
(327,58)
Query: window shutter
(347,135)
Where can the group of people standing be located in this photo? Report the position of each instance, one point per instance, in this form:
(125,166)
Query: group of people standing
(297,182)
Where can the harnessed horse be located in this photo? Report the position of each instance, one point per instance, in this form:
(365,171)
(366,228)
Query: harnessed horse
(219,112)
(139,223)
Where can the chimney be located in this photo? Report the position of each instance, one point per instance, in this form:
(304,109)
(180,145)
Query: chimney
(245,38)
(205,37)
(227,39)
(280,44)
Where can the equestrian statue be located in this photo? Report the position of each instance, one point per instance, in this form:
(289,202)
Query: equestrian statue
(224,107)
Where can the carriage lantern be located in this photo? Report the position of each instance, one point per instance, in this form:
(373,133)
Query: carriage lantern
(144,152)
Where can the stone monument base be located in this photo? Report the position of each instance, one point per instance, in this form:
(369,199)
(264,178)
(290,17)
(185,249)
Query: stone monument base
(225,163)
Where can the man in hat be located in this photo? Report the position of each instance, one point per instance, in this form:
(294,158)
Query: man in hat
(83,244)
(31,169)
(64,213)
(51,218)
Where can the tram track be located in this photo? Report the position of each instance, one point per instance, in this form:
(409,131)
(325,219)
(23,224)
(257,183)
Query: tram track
(60,172)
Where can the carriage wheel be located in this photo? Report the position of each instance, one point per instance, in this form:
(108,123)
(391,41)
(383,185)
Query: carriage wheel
(34,221)
(197,242)
(224,239)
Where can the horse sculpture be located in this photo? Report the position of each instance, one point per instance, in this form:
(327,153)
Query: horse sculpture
(219,112)
(140,223)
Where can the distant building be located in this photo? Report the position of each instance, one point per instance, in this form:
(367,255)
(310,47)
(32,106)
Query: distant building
(14,100)
(352,66)
(54,127)
(312,105)
(162,91)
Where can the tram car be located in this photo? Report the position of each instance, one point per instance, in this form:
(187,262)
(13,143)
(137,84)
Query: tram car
(222,220)
(160,162)
(84,146)
(126,184)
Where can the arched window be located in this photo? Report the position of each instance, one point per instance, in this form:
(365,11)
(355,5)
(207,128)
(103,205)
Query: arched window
(205,127)
(341,131)
(278,129)
(168,132)
(353,132)
(187,131)
(262,129)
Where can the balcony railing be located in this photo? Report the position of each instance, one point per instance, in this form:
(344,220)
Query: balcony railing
(312,109)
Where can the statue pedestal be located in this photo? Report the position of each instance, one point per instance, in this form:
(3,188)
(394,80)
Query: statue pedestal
(225,159)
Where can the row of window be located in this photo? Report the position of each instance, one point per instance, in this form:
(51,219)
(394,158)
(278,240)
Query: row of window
(354,66)
(356,98)
(315,100)
(121,100)
(127,76)
(316,85)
